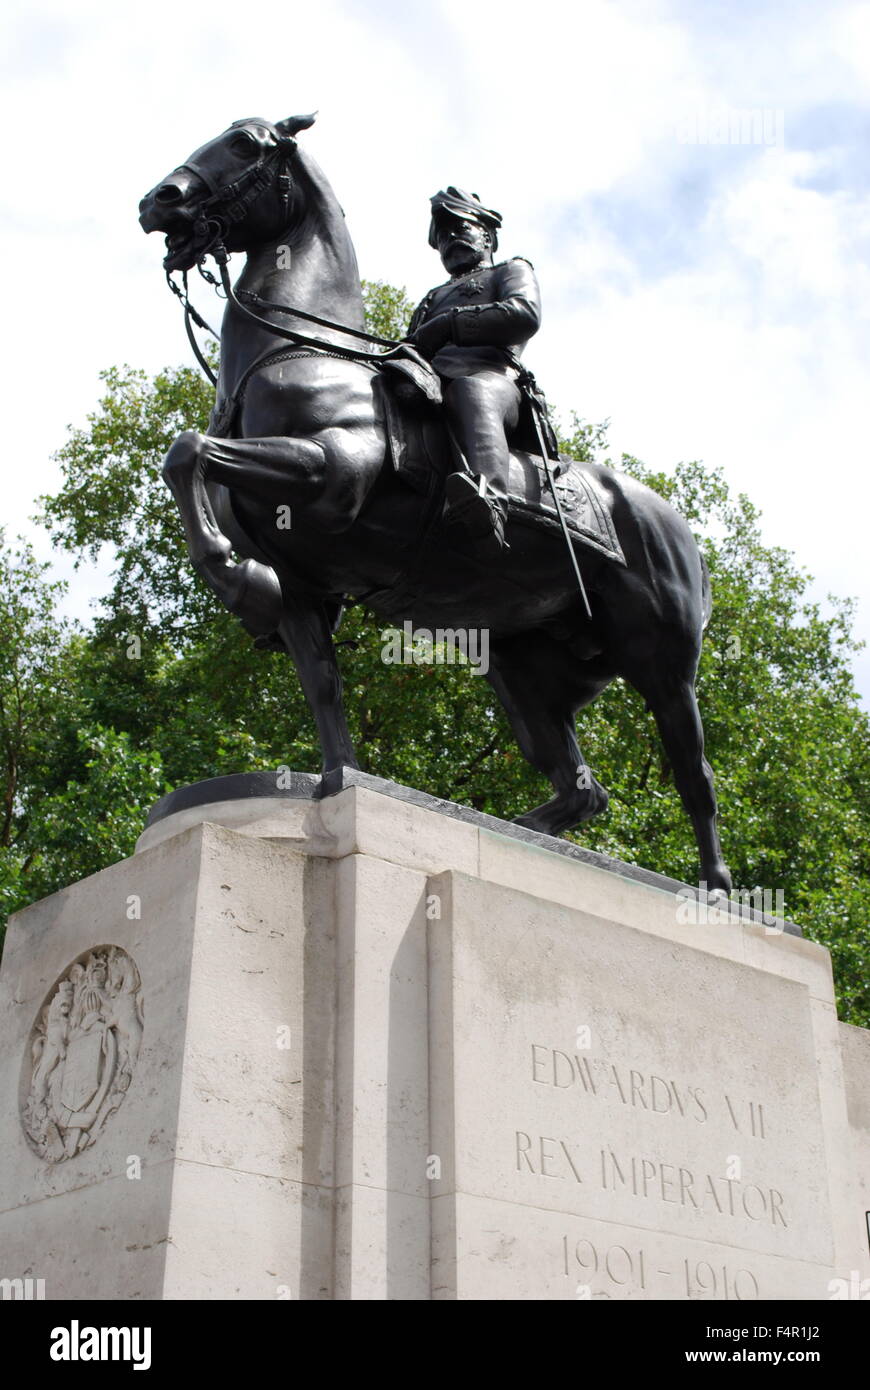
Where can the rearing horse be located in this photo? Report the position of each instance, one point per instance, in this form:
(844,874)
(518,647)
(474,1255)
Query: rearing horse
(302,429)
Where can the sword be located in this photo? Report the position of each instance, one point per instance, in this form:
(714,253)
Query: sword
(545,459)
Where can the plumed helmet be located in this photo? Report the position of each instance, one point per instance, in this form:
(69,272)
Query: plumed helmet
(455,202)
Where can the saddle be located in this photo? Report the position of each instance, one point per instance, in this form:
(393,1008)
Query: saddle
(413,382)
(421,453)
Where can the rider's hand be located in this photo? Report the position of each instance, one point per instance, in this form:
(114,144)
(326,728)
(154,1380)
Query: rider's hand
(433,335)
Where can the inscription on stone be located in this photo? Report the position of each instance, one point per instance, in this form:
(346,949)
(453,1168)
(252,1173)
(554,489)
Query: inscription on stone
(612,1270)
(629,1116)
(643,1090)
(549,1157)
(569,1156)
(602,1269)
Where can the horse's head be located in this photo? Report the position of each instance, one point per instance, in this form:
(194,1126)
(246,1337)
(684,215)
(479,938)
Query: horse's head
(238,189)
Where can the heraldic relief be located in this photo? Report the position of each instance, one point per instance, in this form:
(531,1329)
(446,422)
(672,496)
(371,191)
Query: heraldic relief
(83,1053)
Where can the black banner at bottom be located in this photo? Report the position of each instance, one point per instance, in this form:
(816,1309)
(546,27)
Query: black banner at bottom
(63,1339)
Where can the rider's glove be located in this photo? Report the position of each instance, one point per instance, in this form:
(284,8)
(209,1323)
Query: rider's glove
(432,335)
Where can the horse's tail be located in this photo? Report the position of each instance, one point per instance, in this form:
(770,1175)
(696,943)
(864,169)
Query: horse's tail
(706,594)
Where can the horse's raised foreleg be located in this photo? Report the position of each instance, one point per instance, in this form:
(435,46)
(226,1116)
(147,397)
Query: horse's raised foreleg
(328,477)
(541,684)
(248,589)
(275,469)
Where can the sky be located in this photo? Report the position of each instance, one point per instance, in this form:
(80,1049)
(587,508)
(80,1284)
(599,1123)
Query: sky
(691,181)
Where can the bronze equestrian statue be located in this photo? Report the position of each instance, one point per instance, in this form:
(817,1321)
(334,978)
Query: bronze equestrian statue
(305,424)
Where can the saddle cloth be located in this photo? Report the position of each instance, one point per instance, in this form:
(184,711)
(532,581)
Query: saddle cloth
(585,505)
(420,450)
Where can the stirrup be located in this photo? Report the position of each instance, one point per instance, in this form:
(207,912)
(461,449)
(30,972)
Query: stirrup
(469,503)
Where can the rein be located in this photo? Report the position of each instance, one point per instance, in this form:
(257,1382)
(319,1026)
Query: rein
(313,318)
(218,251)
(191,313)
(351,353)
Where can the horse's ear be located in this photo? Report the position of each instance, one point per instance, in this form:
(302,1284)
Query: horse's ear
(294,124)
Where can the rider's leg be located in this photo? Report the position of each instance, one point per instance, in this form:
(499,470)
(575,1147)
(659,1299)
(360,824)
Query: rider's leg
(481,409)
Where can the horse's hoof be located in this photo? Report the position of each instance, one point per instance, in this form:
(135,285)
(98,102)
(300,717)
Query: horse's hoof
(565,811)
(332,778)
(253,593)
(717,882)
(260,600)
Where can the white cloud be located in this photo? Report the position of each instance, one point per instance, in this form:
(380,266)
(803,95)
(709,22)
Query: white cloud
(850,40)
(737,331)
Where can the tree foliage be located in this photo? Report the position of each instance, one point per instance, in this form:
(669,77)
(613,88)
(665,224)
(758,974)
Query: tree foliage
(166,688)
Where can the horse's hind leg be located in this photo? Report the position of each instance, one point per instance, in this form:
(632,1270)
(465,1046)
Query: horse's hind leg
(675,707)
(541,684)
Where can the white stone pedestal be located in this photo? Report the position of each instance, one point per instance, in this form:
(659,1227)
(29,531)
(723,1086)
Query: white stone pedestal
(392,1051)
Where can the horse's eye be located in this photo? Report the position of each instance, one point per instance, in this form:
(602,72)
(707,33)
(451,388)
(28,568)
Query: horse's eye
(243,145)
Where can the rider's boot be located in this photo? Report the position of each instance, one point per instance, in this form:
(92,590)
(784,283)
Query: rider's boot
(471,504)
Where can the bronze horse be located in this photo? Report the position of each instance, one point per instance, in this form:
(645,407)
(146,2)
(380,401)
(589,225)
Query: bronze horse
(303,431)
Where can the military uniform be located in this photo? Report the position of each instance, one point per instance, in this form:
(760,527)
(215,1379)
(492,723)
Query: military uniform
(473,329)
(489,316)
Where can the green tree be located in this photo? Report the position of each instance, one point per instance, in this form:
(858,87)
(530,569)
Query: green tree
(388,309)
(72,795)
(191,698)
(92,821)
(32,641)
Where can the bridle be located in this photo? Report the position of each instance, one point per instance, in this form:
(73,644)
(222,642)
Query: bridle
(228,204)
(235,198)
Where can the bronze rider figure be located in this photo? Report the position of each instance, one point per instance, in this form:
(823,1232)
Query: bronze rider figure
(473,330)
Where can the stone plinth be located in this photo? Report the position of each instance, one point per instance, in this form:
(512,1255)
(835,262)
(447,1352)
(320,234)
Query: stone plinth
(371,1047)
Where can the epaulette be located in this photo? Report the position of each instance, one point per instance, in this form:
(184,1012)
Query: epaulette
(521,258)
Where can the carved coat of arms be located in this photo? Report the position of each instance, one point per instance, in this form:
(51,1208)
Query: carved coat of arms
(83,1052)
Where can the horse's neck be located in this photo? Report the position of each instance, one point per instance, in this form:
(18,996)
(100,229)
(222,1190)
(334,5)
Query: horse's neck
(312,266)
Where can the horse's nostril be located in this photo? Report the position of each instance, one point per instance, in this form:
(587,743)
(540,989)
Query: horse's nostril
(168,193)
